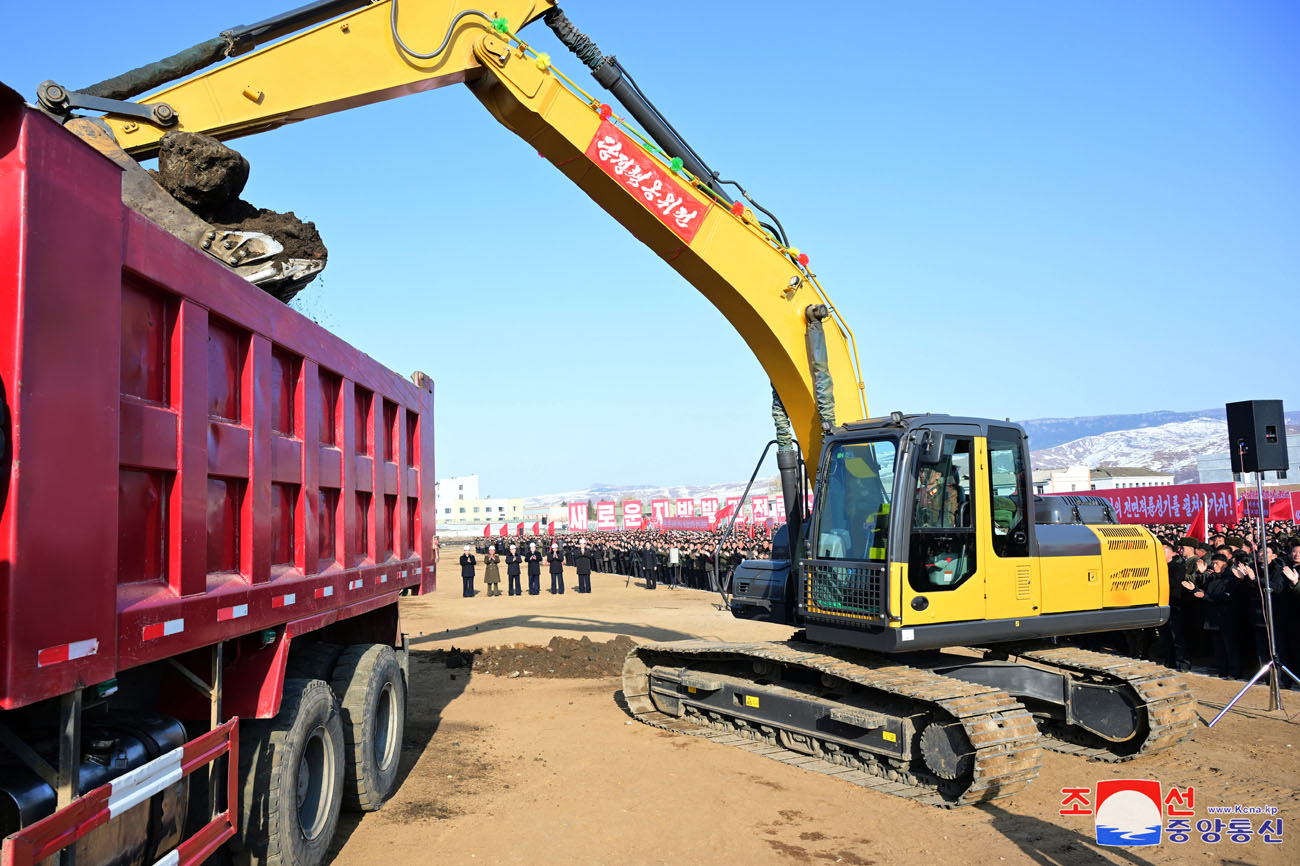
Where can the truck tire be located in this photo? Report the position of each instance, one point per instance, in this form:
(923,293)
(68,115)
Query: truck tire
(312,661)
(372,697)
(291,774)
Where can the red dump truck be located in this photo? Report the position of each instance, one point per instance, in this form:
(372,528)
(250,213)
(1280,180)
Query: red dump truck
(210,508)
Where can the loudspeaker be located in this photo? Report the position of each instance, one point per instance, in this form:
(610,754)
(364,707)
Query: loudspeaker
(1257,436)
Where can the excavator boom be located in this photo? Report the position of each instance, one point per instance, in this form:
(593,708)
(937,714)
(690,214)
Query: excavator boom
(387,49)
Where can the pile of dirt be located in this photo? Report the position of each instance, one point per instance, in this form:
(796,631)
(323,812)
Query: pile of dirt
(208,177)
(562,658)
(450,658)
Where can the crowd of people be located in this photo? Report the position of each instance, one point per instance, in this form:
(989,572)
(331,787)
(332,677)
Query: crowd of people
(1216,609)
(1216,603)
(678,558)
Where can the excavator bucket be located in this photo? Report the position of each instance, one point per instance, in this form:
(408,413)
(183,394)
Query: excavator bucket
(255,255)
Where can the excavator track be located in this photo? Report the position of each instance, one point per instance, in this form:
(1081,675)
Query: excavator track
(1169,705)
(1004,741)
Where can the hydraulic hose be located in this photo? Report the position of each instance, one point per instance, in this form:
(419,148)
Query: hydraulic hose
(231,43)
(819,364)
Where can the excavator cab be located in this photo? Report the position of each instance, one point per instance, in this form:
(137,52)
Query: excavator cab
(922,535)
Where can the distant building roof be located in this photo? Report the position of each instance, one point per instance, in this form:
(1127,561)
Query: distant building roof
(1130,472)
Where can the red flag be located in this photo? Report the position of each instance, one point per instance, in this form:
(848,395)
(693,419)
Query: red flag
(723,513)
(537,528)
(487,530)
(505,530)
(550,528)
(1200,528)
(519,530)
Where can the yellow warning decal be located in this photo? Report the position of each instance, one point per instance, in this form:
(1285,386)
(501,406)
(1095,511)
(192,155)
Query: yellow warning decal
(751,701)
(890,737)
(691,689)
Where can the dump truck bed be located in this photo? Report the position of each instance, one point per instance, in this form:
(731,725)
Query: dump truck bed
(187,460)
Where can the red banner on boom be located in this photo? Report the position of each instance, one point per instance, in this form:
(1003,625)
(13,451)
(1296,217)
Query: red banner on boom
(647,180)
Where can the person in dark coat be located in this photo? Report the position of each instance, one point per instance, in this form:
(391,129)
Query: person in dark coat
(1173,642)
(555,560)
(467,563)
(513,561)
(534,560)
(1221,616)
(491,571)
(584,562)
(1274,587)
(1290,632)
(649,566)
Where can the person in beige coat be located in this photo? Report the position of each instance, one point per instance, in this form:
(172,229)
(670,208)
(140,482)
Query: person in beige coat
(491,574)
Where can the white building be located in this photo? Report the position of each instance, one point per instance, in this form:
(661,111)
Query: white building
(1073,479)
(1123,477)
(449,491)
(458,502)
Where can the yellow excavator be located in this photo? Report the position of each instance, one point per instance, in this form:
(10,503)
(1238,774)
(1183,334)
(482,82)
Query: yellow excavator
(924,583)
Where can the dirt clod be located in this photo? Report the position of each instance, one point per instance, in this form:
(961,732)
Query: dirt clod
(200,172)
(451,658)
(562,658)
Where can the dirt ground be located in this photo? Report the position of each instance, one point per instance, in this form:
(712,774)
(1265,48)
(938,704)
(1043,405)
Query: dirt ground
(547,769)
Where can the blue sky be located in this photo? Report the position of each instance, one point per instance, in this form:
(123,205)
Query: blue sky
(1023,209)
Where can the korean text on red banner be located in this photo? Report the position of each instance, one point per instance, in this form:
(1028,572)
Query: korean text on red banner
(648,180)
(1175,503)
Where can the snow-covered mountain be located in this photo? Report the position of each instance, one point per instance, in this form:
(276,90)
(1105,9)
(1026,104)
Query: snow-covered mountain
(1163,440)
(1047,433)
(612,492)
(1171,447)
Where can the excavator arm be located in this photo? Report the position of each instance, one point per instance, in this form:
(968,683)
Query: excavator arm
(763,287)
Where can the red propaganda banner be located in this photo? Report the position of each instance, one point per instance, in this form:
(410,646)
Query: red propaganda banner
(1295,504)
(658,510)
(647,180)
(685,508)
(605,520)
(1174,503)
(709,507)
(733,503)
(577,517)
(760,508)
(632,514)
(778,510)
(1278,503)
(686,523)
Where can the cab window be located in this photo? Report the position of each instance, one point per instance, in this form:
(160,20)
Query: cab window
(855,499)
(942,546)
(1008,485)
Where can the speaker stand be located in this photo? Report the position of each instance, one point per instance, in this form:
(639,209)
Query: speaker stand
(1273,667)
